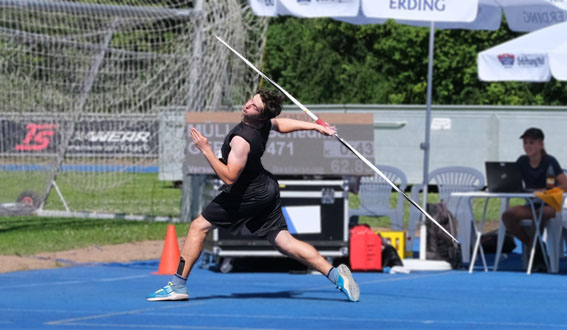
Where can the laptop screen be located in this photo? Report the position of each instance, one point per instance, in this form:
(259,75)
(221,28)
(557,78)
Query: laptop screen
(504,177)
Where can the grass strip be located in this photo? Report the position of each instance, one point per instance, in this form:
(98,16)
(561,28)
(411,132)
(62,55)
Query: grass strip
(32,234)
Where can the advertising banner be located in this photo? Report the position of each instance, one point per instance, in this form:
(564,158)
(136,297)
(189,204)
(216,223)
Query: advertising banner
(422,10)
(42,137)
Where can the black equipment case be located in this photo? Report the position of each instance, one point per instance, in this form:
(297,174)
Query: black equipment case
(316,212)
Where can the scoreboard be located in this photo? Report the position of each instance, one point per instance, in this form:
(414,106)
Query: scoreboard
(296,153)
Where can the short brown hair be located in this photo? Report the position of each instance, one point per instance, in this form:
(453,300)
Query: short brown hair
(273,102)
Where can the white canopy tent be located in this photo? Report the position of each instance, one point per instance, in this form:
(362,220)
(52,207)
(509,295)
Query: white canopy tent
(521,15)
(558,60)
(534,57)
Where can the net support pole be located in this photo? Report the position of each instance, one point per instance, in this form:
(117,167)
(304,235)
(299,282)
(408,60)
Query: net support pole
(78,108)
(60,196)
(195,93)
(192,184)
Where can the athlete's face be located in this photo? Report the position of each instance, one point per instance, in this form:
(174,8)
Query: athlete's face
(254,107)
(533,147)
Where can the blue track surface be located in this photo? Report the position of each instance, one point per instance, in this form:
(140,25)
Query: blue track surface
(112,296)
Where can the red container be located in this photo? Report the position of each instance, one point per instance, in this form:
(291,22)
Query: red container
(365,250)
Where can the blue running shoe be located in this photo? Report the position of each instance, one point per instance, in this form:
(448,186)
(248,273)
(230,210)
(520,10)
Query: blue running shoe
(347,284)
(169,292)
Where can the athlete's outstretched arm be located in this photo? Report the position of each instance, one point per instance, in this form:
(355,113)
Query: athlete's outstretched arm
(237,157)
(287,125)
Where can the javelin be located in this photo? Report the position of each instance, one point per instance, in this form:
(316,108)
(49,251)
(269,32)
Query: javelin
(346,144)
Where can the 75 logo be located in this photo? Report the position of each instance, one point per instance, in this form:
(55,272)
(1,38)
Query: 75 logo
(38,137)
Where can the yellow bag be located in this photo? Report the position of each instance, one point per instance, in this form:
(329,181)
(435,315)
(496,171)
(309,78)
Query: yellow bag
(553,197)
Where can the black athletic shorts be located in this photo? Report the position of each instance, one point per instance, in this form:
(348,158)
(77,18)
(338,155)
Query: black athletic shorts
(256,208)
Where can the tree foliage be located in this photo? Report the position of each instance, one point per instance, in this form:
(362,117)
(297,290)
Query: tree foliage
(327,61)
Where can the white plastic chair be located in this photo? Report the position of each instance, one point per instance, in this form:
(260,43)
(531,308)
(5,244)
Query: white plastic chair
(556,237)
(375,195)
(556,232)
(448,180)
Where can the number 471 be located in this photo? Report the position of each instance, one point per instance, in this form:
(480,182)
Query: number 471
(278,148)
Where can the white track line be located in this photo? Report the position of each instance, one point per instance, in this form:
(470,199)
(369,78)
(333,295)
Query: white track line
(153,326)
(351,320)
(134,311)
(110,279)
(113,279)
(382,280)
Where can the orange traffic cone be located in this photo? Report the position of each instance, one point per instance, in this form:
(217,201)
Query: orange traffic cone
(170,254)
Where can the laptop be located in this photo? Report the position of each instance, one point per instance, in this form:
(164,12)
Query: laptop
(504,177)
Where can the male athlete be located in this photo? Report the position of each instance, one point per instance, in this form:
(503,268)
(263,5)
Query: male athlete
(250,199)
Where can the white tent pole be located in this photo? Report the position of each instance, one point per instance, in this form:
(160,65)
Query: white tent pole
(426,144)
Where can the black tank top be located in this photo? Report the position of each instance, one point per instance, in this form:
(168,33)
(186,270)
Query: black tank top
(257,138)
(534,178)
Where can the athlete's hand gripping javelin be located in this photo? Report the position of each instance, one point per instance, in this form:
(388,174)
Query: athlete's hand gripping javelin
(327,130)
